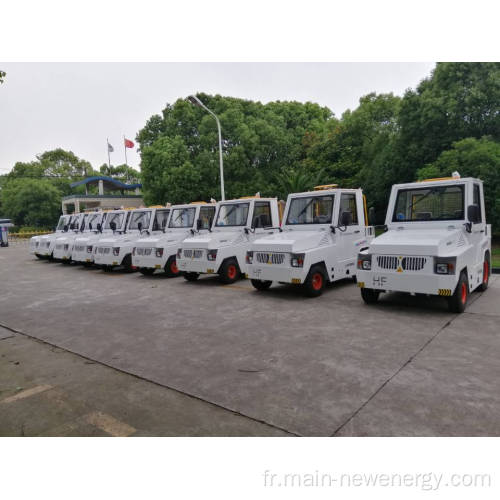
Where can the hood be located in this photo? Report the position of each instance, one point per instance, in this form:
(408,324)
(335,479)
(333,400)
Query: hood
(87,237)
(292,241)
(51,236)
(215,240)
(434,242)
(161,240)
(117,238)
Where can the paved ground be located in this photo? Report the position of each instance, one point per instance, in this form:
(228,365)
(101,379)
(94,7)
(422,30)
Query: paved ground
(152,356)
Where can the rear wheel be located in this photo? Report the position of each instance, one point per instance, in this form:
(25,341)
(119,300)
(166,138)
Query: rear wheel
(369,295)
(486,274)
(229,272)
(458,301)
(315,282)
(171,269)
(191,276)
(260,284)
(146,271)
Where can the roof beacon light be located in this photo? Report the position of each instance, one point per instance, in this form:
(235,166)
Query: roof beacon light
(325,186)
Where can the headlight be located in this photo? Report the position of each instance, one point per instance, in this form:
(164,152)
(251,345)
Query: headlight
(89,248)
(212,254)
(159,252)
(116,250)
(445,265)
(249,257)
(297,260)
(365,261)
(179,253)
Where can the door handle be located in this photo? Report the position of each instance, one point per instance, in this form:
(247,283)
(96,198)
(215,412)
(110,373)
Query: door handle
(357,231)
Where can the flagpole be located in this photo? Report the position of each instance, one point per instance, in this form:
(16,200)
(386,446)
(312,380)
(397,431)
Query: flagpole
(125,149)
(109,159)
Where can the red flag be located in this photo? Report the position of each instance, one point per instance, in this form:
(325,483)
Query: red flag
(128,143)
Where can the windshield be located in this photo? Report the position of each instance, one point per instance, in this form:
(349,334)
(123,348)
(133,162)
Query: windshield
(116,218)
(429,204)
(161,217)
(75,223)
(311,210)
(92,220)
(182,217)
(233,214)
(140,218)
(62,222)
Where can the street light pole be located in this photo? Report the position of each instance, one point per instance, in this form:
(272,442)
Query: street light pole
(194,100)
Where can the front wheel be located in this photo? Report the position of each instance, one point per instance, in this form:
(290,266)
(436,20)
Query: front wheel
(41,257)
(171,269)
(458,301)
(229,272)
(191,276)
(486,274)
(146,271)
(260,284)
(315,282)
(127,264)
(369,295)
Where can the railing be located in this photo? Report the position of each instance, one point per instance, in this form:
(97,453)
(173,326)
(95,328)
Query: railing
(25,235)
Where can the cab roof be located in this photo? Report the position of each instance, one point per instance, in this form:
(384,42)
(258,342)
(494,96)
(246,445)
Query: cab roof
(438,181)
(325,191)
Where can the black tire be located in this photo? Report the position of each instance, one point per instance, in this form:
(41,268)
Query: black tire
(171,269)
(87,264)
(486,274)
(41,257)
(229,271)
(146,271)
(260,284)
(458,301)
(107,269)
(66,262)
(369,295)
(315,282)
(127,264)
(191,276)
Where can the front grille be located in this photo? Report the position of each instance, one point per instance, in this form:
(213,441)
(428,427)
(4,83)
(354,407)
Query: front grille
(387,262)
(103,250)
(143,251)
(413,263)
(193,254)
(270,258)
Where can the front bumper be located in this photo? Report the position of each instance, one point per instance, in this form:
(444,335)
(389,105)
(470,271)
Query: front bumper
(431,284)
(108,259)
(62,254)
(149,261)
(201,266)
(294,275)
(82,256)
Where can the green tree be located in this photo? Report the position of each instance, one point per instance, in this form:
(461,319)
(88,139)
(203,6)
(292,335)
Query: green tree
(122,172)
(3,74)
(471,157)
(31,202)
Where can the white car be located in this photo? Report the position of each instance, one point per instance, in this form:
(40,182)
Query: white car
(437,243)
(40,245)
(44,245)
(322,232)
(223,250)
(159,251)
(64,244)
(83,246)
(116,249)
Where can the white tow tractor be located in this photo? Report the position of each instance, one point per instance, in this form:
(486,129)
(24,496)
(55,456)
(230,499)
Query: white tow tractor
(322,233)
(83,247)
(116,250)
(437,243)
(159,251)
(223,250)
(63,250)
(43,246)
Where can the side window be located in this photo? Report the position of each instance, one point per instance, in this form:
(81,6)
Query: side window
(207,216)
(160,220)
(348,204)
(477,199)
(262,213)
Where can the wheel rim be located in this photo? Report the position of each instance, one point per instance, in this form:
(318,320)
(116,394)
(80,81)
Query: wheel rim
(464,293)
(317,281)
(231,271)
(174,268)
(486,272)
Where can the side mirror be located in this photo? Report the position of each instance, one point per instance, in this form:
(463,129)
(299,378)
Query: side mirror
(90,226)
(371,216)
(473,214)
(256,223)
(345,219)
(66,228)
(112,225)
(199,224)
(139,226)
(99,227)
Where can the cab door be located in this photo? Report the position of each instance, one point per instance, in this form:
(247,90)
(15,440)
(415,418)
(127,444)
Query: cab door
(348,237)
(207,216)
(477,236)
(261,218)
